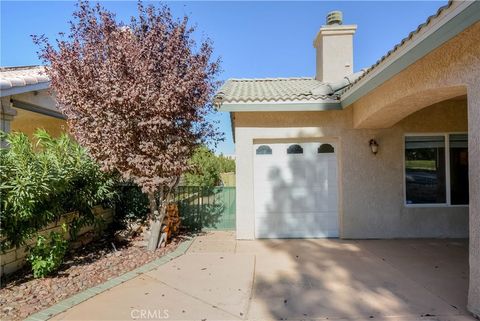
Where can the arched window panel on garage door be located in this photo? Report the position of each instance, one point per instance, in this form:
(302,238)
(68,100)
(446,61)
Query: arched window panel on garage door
(326,149)
(263,150)
(295,149)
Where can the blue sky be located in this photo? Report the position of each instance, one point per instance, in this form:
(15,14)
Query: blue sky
(253,39)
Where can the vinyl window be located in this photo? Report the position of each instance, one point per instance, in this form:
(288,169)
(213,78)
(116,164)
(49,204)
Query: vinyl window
(436,169)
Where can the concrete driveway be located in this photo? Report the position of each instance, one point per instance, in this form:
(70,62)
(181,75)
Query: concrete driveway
(220,278)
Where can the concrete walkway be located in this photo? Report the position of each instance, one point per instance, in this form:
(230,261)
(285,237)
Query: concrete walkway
(220,278)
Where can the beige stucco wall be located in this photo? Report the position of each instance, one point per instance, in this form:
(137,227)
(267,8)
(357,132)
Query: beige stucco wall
(451,70)
(474,175)
(27,122)
(440,75)
(371,188)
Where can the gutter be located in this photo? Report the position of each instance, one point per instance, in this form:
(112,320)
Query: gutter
(282,106)
(37,109)
(24,89)
(232,125)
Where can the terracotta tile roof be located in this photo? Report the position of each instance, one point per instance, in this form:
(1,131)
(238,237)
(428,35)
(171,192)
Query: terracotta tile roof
(270,90)
(21,76)
(402,43)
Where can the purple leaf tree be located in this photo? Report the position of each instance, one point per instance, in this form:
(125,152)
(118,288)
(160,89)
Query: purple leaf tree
(137,96)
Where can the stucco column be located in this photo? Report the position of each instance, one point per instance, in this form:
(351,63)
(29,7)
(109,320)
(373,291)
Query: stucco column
(473,93)
(7,113)
(245,211)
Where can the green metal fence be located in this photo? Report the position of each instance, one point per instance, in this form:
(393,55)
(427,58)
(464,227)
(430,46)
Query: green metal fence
(203,208)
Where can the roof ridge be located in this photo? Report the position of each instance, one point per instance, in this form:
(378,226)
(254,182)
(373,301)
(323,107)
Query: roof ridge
(270,79)
(19,68)
(402,42)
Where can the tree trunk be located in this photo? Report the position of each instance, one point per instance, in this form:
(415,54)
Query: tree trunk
(157,218)
(155,223)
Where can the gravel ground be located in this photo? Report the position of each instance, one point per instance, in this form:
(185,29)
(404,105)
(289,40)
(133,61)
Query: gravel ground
(22,295)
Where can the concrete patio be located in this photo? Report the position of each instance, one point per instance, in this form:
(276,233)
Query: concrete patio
(220,278)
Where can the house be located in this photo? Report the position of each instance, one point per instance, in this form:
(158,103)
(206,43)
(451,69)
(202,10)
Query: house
(26,103)
(392,151)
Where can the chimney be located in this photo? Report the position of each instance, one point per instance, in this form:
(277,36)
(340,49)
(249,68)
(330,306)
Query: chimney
(334,45)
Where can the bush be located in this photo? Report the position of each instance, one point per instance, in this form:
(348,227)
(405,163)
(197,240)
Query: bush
(205,169)
(226,165)
(47,255)
(131,205)
(42,181)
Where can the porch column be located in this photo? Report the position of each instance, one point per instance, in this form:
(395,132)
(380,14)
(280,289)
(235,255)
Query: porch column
(7,113)
(473,93)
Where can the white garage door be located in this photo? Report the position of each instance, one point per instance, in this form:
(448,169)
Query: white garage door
(295,190)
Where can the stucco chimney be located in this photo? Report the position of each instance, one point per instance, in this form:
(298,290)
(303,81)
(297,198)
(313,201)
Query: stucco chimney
(334,45)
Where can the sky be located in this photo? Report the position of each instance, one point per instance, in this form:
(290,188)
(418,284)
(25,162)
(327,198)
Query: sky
(254,39)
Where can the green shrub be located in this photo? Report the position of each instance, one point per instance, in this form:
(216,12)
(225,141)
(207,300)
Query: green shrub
(205,169)
(131,205)
(226,165)
(47,255)
(41,181)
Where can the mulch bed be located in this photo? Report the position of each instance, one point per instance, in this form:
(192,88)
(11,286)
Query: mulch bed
(95,263)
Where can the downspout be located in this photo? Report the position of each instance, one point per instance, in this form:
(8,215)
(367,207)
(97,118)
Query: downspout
(232,124)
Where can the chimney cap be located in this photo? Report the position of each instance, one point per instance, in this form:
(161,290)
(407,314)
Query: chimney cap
(334,18)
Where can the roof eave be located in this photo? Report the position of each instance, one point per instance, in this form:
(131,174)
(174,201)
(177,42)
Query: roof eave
(453,23)
(281,106)
(16,90)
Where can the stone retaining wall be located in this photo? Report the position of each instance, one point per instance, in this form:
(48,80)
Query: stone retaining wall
(14,259)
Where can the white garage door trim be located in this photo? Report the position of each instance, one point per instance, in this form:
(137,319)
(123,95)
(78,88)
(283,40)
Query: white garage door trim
(296,190)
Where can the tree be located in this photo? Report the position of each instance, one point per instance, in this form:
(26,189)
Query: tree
(136,96)
(227,165)
(205,169)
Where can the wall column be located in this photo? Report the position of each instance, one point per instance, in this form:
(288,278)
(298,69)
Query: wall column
(473,93)
(245,211)
(7,113)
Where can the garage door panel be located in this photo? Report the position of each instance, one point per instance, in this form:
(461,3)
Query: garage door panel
(285,229)
(296,199)
(296,194)
(326,171)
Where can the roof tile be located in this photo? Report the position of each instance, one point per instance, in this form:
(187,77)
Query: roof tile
(269,90)
(22,76)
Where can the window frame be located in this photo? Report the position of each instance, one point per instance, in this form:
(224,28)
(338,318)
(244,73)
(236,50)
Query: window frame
(263,154)
(295,145)
(448,202)
(322,144)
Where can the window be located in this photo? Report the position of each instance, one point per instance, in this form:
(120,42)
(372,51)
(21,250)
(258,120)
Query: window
(458,169)
(264,150)
(436,169)
(295,149)
(325,148)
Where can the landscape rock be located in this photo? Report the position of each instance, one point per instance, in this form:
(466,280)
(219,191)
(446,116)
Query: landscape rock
(22,295)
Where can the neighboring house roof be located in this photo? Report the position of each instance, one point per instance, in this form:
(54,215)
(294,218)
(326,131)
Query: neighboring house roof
(17,80)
